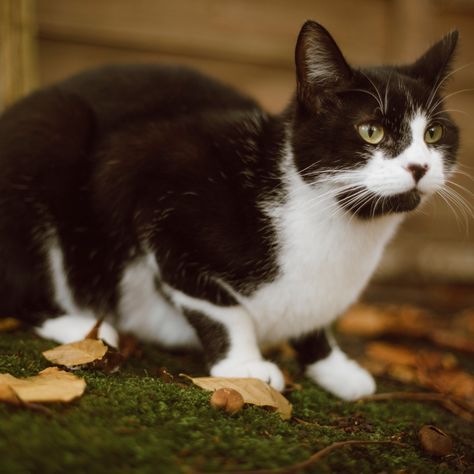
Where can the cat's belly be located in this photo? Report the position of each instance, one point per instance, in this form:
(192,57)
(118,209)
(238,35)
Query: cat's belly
(290,308)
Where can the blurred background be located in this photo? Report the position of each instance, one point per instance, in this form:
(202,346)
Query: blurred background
(249,44)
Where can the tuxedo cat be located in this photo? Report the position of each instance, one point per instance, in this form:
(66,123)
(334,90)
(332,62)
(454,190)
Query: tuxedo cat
(180,211)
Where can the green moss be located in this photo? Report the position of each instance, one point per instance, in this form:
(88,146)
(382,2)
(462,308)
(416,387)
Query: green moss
(132,421)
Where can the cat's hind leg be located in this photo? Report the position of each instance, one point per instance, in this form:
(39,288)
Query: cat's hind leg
(330,368)
(74,327)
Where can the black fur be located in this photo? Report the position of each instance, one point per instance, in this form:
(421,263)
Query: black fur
(312,347)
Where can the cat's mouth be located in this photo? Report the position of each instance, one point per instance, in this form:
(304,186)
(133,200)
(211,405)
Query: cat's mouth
(374,205)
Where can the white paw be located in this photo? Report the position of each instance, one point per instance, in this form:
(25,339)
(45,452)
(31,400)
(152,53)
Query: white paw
(342,376)
(259,369)
(74,327)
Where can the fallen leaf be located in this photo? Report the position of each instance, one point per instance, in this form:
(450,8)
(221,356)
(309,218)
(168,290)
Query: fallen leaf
(9,324)
(365,320)
(8,395)
(128,345)
(391,354)
(431,369)
(50,385)
(77,353)
(165,376)
(375,320)
(253,391)
(111,362)
(94,332)
(453,382)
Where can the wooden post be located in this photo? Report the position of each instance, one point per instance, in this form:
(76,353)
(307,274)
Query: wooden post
(18,59)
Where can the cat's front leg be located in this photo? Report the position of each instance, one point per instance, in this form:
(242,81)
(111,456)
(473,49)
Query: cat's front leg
(228,338)
(330,368)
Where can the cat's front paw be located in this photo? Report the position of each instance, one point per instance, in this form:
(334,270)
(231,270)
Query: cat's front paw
(259,369)
(342,376)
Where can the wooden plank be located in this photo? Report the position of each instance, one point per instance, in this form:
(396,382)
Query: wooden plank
(258,31)
(17,50)
(271,86)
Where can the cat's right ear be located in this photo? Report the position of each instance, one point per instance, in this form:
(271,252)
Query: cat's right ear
(320,65)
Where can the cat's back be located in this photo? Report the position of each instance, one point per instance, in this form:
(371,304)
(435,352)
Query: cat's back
(126,92)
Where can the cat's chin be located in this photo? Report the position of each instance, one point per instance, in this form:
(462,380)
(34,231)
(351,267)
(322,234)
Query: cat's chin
(375,205)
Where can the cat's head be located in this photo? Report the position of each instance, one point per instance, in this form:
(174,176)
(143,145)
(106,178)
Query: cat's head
(379,136)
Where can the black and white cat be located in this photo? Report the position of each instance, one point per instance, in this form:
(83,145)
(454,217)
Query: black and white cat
(178,209)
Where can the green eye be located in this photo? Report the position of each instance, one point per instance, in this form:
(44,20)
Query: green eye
(433,133)
(371,133)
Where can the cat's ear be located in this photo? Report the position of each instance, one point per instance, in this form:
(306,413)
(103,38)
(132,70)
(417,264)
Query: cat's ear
(320,65)
(434,65)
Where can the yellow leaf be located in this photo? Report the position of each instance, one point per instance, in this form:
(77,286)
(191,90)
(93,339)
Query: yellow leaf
(253,391)
(8,395)
(8,324)
(77,353)
(50,385)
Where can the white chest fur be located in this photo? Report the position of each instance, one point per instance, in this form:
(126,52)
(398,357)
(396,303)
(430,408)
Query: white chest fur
(326,258)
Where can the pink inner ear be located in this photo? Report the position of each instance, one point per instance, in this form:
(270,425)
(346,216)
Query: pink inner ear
(320,64)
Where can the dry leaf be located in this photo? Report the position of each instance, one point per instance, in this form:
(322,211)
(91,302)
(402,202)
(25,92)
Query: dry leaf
(50,385)
(77,353)
(254,391)
(391,354)
(429,369)
(9,324)
(8,395)
(365,320)
(94,332)
(371,321)
(454,382)
(128,345)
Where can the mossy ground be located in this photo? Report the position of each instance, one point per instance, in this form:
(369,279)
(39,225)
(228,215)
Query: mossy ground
(132,421)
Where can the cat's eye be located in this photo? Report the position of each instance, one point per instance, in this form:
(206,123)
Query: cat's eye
(433,134)
(371,132)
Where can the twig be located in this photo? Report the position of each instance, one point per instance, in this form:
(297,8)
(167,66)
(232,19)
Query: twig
(37,408)
(441,398)
(314,458)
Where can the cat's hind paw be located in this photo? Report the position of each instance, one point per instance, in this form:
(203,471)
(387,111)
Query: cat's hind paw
(342,376)
(74,327)
(260,369)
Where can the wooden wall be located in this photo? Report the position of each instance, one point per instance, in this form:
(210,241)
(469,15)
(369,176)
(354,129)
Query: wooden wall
(249,43)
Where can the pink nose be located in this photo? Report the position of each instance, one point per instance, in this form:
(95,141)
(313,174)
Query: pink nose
(417,171)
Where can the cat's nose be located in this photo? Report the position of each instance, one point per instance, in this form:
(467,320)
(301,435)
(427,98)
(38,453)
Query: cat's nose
(417,171)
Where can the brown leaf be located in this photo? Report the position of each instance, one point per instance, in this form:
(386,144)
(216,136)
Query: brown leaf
(50,385)
(8,395)
(128,345)
(254,391)
(77,353)
(454,382)
(372,320)
(111,362)
(365,320)
(9,324)
(94,332)
(391,354)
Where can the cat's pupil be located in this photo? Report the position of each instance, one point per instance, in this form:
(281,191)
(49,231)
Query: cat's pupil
(371,131)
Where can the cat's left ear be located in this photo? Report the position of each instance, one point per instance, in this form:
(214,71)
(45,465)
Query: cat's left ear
(433,66)
(320,65)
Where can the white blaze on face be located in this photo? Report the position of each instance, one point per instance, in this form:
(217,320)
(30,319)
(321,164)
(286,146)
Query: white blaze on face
(387,176)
